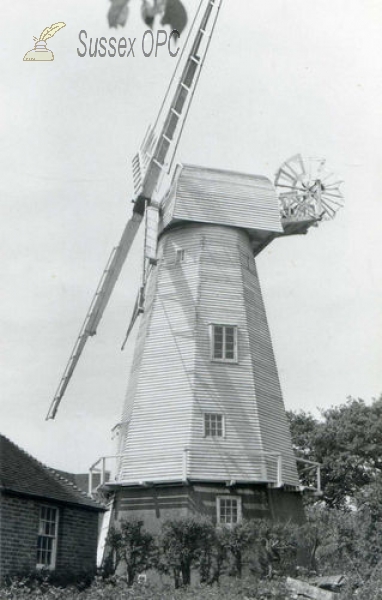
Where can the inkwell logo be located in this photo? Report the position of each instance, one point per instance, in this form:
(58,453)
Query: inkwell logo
(40,51)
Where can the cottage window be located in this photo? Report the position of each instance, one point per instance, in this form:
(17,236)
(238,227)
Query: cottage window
(224,343)
(47,537)
(213,425)
(228,510)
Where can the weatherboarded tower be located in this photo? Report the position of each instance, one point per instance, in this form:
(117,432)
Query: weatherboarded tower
(204,426)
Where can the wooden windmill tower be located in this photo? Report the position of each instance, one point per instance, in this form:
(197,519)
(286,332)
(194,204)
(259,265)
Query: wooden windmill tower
(204,426)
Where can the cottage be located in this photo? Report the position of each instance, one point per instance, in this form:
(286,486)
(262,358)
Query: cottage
(46,522)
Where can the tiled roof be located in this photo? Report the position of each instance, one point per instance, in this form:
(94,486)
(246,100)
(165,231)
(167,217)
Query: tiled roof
(22,474)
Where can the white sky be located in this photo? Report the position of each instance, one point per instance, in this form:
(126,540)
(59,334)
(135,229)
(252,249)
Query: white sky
(281,77)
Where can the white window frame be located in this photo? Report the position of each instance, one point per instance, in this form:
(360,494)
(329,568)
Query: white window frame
(237,499)
(212,342)
(54,537)
(214,414)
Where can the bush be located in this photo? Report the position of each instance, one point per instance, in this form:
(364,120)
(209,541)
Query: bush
(277,547)
(44,581)
(236,540)
(184,543)
(130,544)
(194,543)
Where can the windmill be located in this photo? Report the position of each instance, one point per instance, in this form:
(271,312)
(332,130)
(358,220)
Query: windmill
(204,426)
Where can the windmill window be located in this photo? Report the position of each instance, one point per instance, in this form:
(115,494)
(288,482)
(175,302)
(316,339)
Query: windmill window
(179,256)
(224,343)
(228,510)
(47,538)
(214,425)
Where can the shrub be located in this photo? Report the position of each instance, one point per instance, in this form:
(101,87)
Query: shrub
(184,543)
(236,540)
(278,545)
(130,544)
(44,581)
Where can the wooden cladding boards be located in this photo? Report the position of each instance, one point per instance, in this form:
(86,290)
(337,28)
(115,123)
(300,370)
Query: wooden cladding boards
(174,382)
(137,359)
(273,420)
(223,198)
(249,392)
(162,397)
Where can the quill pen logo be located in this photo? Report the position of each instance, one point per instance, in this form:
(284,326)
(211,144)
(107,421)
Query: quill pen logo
(40,51)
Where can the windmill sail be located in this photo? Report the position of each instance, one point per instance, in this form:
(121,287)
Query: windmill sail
(137,310)
(157,154)
(112,273)
(151,238)
(98,305)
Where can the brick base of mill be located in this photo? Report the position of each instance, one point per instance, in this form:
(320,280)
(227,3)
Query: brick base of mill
(220,502)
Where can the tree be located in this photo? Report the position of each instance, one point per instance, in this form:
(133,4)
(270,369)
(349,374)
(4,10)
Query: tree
(184,543)
(132,545)
(171,12)
(236,540)
(346,440)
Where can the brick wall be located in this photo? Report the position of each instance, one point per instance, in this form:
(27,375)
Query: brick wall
(18,535)
(78,533)
(19,519)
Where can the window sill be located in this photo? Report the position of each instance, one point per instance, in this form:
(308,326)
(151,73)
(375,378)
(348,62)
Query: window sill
(225,361)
